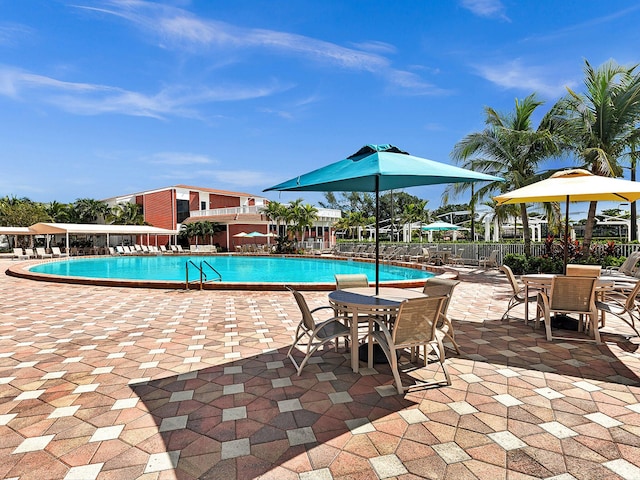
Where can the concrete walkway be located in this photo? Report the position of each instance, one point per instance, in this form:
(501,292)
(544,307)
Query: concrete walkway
(116,383)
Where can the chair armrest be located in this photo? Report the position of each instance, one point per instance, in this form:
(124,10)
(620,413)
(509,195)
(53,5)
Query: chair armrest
(382,328)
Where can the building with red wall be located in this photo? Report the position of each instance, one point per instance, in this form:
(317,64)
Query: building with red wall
(170,207)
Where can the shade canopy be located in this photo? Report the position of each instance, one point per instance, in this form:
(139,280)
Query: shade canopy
(440,226)
(241,234)
(95,229)
(577,184)
(379,168)
(376,168)
(255,234)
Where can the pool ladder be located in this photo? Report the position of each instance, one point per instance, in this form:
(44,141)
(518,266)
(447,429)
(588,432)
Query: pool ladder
(203,275)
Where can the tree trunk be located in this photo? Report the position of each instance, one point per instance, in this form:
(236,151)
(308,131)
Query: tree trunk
(588,228)
(526,233)
(633,234)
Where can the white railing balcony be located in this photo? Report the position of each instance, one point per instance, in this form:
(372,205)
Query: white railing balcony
(226,211)
(324,214)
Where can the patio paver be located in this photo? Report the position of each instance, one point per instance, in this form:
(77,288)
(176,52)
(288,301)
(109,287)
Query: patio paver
(104,383)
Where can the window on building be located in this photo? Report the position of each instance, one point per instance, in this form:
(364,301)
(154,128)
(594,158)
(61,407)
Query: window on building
(203,205)
(182,207)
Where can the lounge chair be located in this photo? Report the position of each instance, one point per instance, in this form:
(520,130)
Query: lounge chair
(423,257)
(317,333)
(56,252)
(414,326)
(628,268)
(19,254)
(42,253)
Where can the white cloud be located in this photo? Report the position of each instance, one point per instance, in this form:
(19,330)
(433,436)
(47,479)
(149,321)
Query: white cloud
(179,158)
(514,75)
(234,179)
(94,99)
(10,33)
(177,28)
(486,8)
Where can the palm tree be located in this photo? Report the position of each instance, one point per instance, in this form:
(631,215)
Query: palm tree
(191,230)
(600,125)
(508,147)
(87,210)
(307,215)
(59,212)
(275,212)
(126,214)
(291,213)
(415,213)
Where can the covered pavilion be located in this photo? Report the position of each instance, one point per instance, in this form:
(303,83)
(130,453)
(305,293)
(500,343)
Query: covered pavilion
(68,229)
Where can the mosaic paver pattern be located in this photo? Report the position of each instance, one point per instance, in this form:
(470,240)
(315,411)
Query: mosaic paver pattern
(114,383)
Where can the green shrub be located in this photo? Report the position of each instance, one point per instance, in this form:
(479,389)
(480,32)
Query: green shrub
(518,263)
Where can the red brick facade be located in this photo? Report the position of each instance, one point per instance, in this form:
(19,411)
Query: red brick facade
(222,201)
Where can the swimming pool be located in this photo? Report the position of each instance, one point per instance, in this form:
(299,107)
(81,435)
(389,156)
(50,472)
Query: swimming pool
(235,270)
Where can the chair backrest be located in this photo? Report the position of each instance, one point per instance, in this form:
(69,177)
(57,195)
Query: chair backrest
(56,250)
(351,280)
(512,278)
(628,267)
(583,270)
(17,251)
(630,302)
(572,294)
(307,319)
(29,251)
(415,323)
(440,287)
(40,250)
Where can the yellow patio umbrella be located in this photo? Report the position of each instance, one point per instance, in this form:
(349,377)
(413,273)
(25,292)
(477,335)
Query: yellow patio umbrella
(575,185)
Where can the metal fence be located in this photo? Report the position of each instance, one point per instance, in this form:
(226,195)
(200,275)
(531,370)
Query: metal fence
(472,252)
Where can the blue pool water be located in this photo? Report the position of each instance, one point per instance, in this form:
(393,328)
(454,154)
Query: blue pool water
(268,269)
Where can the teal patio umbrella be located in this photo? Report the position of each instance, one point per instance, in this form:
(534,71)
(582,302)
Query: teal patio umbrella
(440,226)
(377,168)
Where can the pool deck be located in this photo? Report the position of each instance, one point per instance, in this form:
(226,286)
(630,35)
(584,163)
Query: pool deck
(135,383)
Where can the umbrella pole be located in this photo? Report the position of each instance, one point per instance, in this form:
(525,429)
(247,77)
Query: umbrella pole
(566,236)
(377,233)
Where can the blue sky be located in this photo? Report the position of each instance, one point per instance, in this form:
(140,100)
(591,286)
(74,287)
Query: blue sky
(102,98)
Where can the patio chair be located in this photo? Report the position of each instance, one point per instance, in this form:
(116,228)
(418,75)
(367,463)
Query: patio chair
(317,333)
(41,253)
(443,287)
(29,253)
(518,293)
(490,261)
(414,326)
(625,307)
(570,295)
(583,270)
(351,280)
